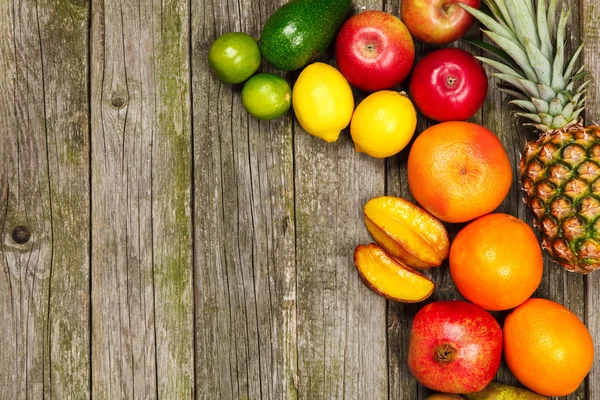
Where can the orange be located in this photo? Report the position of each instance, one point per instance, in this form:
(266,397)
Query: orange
(458,171)
(547,348)
(496,261)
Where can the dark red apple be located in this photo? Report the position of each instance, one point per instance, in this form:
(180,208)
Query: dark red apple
(448,85)
(374,51)
(454,347)
(437,21)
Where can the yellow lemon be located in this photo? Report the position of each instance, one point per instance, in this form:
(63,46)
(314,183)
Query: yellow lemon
(322,101)
(383,124)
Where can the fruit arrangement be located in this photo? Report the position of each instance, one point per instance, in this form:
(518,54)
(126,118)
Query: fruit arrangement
(458,172)
(558,171)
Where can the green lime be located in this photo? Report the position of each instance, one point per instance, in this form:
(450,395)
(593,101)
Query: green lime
(266,96)
(234,57)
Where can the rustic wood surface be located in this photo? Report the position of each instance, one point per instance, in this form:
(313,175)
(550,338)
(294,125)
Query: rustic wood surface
(45,193)
(141,285)
(158,242)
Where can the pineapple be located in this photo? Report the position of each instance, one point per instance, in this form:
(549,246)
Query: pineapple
(560,170)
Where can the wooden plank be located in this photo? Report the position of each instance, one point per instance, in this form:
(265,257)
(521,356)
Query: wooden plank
(341,323)
(557,284)
(244,213)
(25,279)
(590,34)
(65,52)
(402,383)
(399,316)
(44,187)
(142,300)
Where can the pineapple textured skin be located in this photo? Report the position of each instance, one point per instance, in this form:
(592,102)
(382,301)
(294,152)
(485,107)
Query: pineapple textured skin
(560,174)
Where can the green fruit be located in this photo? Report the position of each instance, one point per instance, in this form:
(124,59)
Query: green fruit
(299,30)
(234,57)
(267,96)
(502,391)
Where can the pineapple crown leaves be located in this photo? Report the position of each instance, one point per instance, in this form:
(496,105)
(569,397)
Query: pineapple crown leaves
(531,52)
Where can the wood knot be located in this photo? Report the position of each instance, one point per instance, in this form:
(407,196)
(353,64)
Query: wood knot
(118,100)
(21,234)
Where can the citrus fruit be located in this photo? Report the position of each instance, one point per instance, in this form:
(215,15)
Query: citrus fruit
(234,57)
(496,262)
(266,96)
(322,101)
(458,171)
(383,124)
(547,347)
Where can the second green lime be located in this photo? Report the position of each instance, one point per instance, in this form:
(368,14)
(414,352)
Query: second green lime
(267,96)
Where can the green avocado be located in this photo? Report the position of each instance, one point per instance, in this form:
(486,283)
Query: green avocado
(299,30)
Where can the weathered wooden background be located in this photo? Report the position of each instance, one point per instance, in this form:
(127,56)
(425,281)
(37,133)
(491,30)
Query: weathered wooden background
(158,242)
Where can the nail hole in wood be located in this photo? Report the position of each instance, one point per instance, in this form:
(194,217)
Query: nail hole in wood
(117,100)
(21,234)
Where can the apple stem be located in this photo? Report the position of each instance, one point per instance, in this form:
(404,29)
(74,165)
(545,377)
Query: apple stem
(445,353)
(447,8)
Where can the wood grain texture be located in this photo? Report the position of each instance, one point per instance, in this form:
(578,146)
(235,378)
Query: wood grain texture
(142,299)
(244,214)
(44,186)
(341,323)
(402,383)
(557,284)
(210,254)
(25,279)
(590,35)
(65,58)
(399,316)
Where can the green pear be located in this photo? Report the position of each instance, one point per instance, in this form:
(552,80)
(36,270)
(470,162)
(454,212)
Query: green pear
(502,391)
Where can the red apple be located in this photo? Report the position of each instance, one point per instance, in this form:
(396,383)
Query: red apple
(454,347)
(448,85)
(374,51)
(437,21)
